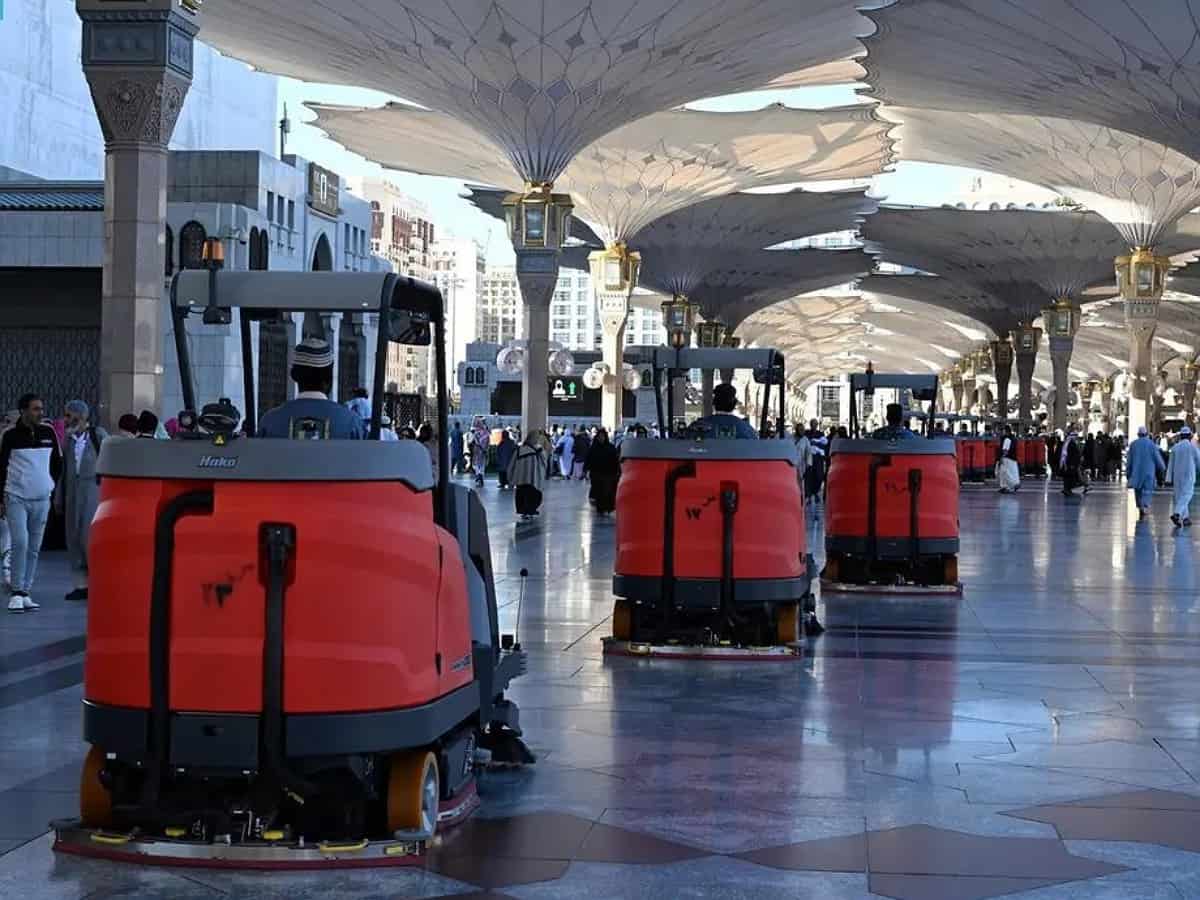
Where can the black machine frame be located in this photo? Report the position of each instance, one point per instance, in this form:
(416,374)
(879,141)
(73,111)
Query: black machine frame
(924,388)
(768,366)
(410,312)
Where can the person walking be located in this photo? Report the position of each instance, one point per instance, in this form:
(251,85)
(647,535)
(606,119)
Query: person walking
(1181,475)
(78,492)
(505,451)
(480,441)
(527,472)
(803,451)
(1142,466)
(564,449)
(456,449)
(7,421)
(30,465)
(603,466)
(581,446)
(1008,471)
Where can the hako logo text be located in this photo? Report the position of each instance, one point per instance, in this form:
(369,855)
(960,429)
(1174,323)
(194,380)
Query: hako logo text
(217,462)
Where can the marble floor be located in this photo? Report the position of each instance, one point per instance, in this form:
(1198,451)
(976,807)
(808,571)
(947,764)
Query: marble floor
(1038,737)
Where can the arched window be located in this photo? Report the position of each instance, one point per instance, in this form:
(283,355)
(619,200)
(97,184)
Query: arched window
(169,253)
(264,249)
(191,246)
(479,378)
(470,375)
(254,249)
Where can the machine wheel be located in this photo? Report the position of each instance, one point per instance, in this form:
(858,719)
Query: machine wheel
(414,789)
(95,800)
(787,623)
(950,570)
(622,620)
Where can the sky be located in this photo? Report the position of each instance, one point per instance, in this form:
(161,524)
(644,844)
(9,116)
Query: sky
(911,183)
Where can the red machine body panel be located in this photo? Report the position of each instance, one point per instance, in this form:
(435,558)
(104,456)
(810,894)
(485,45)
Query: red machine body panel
(848,499)
(769,526)
(352,642)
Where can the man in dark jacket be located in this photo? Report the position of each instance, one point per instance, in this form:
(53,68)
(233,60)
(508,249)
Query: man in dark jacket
(30,464)
(505,451)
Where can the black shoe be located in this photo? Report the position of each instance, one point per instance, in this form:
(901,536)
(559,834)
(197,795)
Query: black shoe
(78,595)
(1187,523)
(1176,521)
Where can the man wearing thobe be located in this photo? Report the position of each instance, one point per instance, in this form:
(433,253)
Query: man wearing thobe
(1144,462)
(78,493)
(1009,473)
(1181,475)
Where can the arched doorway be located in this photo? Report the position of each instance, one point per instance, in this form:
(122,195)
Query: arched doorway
(274,337)
(322,261)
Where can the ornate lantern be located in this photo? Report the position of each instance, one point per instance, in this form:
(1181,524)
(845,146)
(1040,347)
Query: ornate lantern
(983,361)
(1188,373)
(679,319)
(731,342)
(1142,275)
(539,218)
(1027,339)
(1002,354)
(1062,319)
(710,334)
(619,268)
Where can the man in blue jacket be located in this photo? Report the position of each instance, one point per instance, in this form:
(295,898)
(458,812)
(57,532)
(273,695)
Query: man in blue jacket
(723,423)
(312,416)
(1143,465)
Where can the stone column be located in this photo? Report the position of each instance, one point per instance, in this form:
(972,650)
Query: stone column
(1141,366)
(708,380)
(537,276)
(957,385)
(137,57)
(1188,374)
(614,274)
(1026,363)
(1106,404)
(968,401)
(1060,361)
(1002,366)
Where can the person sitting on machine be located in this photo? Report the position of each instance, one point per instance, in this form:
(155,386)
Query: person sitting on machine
(723,423)
(895,430)
(312,416)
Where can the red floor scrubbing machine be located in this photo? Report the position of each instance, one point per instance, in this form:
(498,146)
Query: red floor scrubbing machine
(294,658)
(891,506)
(711,549)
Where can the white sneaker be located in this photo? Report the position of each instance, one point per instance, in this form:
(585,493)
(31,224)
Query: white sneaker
(16,604)
(28,603)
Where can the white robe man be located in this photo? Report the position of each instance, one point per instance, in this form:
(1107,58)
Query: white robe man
(1181,474)
(1008,471)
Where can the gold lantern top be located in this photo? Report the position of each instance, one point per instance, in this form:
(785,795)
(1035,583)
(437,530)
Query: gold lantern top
(1061,319)
(1142,275)
(679,319)
(1189,372)
(710,334)
(538,219)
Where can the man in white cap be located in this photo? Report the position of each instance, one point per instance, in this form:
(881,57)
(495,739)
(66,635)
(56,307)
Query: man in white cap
(1142,465)
(78,493)
(1181,474)
(312,416)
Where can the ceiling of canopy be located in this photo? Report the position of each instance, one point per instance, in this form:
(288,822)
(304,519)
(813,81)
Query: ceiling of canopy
(1129,64)
(541,79)
(642,171)
(1140,186)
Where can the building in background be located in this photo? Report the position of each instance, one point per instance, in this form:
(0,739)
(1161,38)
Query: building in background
(48,125)
(403,233)
(498,319)
(458,272)
(267,214)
